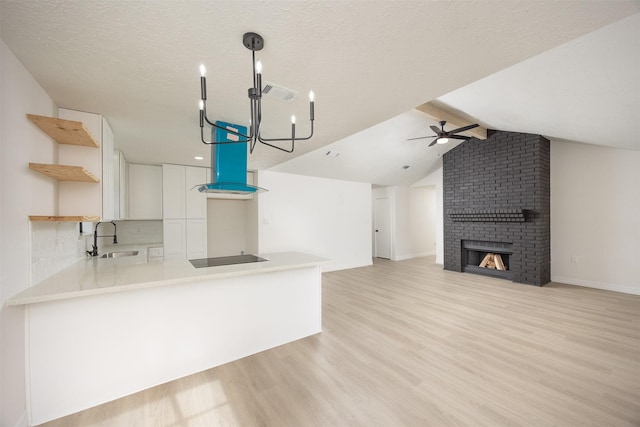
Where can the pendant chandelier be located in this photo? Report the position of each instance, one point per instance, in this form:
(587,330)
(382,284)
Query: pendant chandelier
(253,42)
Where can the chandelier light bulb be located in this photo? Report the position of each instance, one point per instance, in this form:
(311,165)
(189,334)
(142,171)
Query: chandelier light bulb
(293,120)
(258,66)
(203,70)
(312,96)
(201,104)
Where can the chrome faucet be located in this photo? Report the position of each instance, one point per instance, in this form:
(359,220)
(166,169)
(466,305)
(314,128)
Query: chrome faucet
(94,251)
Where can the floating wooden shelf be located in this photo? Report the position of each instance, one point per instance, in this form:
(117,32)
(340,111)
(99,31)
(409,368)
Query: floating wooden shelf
(64,218)
(64,131)
(64,172)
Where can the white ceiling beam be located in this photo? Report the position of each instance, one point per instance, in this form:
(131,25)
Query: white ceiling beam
(438,114)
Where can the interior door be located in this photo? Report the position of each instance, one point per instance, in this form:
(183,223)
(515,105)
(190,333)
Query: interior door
(382,222)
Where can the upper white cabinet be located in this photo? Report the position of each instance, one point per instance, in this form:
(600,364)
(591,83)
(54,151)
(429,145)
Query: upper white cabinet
(108,174)
(121,191)
(145,191)
(173,191)
(196,202)
(179,197)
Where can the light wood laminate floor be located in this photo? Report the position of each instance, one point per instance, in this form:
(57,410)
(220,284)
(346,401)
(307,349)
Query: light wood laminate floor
(408,344)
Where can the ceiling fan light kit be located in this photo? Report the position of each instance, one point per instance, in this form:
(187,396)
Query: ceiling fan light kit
(253,42)
(442,136)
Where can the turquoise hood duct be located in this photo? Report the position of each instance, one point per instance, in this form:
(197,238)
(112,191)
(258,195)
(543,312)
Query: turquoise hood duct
(228,163)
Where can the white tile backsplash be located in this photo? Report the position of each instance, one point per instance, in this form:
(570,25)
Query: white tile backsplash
(132,232)
(57,245)
(54,246)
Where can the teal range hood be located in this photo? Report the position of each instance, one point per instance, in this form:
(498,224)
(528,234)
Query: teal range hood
(229,163)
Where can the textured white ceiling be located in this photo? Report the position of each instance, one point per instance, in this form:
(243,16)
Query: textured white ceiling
(137,62)
(586,90)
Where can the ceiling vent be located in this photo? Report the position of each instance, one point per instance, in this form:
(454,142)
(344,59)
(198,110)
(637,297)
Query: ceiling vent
(282,93)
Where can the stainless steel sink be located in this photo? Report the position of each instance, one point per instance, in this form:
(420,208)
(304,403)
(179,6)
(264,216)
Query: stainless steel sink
(119,254)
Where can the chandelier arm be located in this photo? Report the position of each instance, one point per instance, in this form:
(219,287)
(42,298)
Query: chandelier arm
(280,148)
(215,142)
(227,130)
(265,140)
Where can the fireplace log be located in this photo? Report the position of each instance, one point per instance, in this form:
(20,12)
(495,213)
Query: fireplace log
(486,260)
(493,261)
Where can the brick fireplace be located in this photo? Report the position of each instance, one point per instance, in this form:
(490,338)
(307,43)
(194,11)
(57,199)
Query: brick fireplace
(496,201)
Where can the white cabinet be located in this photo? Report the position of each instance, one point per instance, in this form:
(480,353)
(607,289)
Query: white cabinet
(184,212)
(108,178)
(175,239)
(120,190)
(196,202)
(196,238)
(74,197)
(145,191)
(173,191)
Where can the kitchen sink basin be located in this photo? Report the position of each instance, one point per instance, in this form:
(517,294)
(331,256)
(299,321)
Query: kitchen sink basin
(119,254)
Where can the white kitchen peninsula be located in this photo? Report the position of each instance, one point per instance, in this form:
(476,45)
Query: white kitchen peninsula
(106,328)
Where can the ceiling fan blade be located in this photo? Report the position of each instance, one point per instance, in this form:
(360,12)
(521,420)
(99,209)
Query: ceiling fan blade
(463,128)
(458,137)
(436,130)
(420,137)
(433,143)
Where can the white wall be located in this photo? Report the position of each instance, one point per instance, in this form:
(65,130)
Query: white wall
(319,216)
(22,193)
(413,220)
(435,180)
(595,216)
(226,227)
(54,246)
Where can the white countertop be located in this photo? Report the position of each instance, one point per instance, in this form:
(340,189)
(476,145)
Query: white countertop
(95,276)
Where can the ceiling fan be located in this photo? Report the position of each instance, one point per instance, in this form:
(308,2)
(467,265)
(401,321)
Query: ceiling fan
(442,136)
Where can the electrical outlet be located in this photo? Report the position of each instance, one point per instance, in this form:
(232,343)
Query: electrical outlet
(574,259)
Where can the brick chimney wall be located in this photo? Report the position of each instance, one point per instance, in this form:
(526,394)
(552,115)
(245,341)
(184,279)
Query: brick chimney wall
(498,190)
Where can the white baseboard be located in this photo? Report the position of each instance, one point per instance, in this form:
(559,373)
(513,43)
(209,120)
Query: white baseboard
(627,289)
(23,421)
(410,256)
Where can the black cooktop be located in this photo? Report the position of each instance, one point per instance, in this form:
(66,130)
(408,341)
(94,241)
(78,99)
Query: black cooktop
(225,260)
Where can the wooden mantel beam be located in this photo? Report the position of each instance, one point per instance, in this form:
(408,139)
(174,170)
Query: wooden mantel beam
(453,121)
